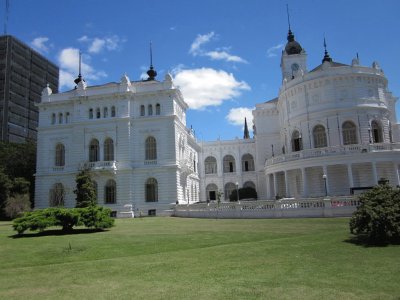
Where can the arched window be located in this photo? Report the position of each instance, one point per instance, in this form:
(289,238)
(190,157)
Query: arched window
(229,164)
(211,192)
(108,149)
(91,113)
(150,110)
(60,118)
(151,148)
(57,195)
(94,151)
(110,192)
(158,109)
(151,190)
(376,132)
(229,188)
(67,120)
(98,115)
(113,112)
(247,163)
(210,165)
(53,118)
(142,111)
(349,132)
(319,136)
(297,143)
(60,155)
(105,112)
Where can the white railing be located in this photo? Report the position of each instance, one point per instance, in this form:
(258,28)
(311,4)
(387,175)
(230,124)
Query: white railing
(99,165)
(284,208)
(150,162)
(334,150)
(58,168)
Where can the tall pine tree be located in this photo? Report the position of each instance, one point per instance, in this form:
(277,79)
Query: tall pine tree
(85,190)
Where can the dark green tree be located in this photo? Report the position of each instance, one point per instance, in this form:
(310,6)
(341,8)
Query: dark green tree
(5,186)
(85,189)
(377,219)
(244,193)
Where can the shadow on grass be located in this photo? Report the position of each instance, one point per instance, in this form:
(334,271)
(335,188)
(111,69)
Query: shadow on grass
(56,232)
(364,241)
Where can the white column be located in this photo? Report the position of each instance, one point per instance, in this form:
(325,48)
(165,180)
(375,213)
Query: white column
(304,177)
(350,175)
(275,185)
(396,173)
(325,170)
(269,192)
(374,173)
(287,184)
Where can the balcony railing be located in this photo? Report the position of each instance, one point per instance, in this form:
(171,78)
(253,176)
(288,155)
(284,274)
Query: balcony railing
(330,151)
(150,162)
(100,165)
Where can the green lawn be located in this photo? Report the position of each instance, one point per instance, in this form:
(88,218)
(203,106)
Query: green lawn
(173,258)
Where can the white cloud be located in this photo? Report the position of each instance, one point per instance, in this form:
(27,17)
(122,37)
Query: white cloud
(199,41)
(196,49)
(223,55)
(272,51)
(208,87)
(39,44)
(236,116)
(68,60)
(97,44)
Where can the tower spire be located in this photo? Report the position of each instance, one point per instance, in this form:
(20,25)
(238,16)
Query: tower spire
(288,17)
(246,134)
(79,78)
(326,56)
(151,72)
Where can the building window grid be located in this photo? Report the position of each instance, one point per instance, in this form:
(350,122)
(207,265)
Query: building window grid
(151,148)
(158,109)
(247,163)
(60,155)
(210,165)
(151,190)
(113,112)
(319,136)
(229,164)
(229,188)
(110,192)
(94,154)
(376,132)
(108,149)
(349,132)
(57,195)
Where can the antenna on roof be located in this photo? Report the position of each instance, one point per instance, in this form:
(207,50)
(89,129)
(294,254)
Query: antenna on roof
(326,56)
(288,17)
(151,72)
(6,13)
(79,78)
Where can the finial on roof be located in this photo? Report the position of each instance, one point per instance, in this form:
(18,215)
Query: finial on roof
(288,17)
(246,134)
(292,47)
(326,56)
(151,72)
(79,78)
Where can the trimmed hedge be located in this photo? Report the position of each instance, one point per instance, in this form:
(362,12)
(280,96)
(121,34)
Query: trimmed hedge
(96,217)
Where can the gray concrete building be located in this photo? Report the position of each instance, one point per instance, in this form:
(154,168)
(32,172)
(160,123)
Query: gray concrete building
(23,75)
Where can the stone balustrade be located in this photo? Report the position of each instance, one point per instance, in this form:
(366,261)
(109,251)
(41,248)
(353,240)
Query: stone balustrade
(334,150)
(283,208)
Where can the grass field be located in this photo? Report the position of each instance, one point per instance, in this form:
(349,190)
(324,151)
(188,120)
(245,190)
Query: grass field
(173,258)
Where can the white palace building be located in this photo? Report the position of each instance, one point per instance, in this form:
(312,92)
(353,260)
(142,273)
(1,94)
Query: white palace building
(331,131)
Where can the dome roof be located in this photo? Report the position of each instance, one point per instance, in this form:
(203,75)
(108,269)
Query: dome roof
(292,47)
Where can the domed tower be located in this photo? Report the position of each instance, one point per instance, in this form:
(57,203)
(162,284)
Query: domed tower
(294,58)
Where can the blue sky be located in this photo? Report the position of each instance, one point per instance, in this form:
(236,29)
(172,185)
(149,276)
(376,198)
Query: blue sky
(224,55)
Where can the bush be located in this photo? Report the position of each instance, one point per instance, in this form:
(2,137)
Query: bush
(17,205)
(96,217)
(378,216)
(92,217)
(244,193)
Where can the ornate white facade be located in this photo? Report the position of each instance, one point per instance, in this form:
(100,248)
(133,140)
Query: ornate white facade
(331,130)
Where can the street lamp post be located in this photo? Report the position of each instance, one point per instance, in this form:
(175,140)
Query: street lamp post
(237,191)
(326,188)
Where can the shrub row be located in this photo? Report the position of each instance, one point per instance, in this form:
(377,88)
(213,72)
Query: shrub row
(96,217)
